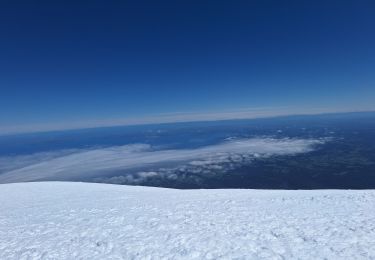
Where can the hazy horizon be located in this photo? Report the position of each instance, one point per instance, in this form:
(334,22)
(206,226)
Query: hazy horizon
(168,119)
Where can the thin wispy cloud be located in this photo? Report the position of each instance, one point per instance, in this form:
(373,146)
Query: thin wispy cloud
(133,158)
(177,117)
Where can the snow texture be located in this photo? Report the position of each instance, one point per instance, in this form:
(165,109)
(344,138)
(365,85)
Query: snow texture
(57,220)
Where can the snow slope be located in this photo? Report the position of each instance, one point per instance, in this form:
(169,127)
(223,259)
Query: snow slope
(57,220)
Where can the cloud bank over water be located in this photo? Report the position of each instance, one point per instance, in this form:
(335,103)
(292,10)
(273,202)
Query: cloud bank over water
(137,162)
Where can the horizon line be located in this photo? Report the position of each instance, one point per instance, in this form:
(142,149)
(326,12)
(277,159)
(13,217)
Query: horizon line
(170,118)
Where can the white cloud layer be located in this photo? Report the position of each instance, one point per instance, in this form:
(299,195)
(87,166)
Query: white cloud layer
(68,165)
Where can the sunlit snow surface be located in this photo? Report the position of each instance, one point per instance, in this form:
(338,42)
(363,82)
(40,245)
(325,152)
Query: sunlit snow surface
(57,220)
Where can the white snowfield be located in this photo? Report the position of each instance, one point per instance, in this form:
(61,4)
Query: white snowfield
(61,220)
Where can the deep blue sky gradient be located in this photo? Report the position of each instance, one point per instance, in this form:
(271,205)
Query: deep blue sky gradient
(63,61)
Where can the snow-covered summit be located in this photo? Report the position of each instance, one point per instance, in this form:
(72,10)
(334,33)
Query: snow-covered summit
(57,220)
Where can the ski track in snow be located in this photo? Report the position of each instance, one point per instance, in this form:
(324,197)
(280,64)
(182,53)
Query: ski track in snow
(57,220)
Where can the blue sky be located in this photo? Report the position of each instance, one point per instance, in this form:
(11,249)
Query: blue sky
(67,64)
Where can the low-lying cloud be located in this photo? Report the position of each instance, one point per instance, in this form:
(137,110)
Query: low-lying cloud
(138,162)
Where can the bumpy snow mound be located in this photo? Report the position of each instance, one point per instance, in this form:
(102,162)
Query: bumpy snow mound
(55,220)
